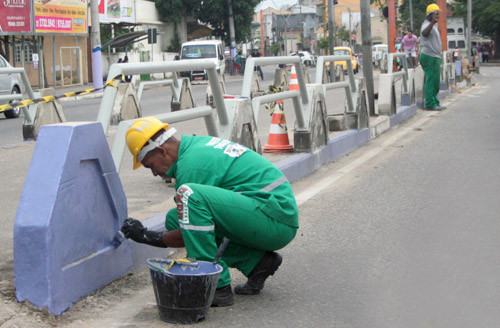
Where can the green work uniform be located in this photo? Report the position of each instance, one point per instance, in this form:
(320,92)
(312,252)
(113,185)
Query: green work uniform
(430,58)
(432,69)
(227,190)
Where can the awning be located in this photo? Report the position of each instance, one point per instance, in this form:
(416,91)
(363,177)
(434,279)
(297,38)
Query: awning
(123,40)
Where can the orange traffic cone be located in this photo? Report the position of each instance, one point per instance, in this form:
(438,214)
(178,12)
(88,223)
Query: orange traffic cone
(294,83)
(277,141)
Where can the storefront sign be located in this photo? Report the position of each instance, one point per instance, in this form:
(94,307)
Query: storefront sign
(116,11)
(15,16)
(61,17)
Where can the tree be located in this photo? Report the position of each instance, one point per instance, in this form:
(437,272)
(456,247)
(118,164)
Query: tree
(344,34)
(485,17)
(212,12)
(419,7)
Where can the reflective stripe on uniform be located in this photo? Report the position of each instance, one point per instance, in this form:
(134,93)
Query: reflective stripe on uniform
(196,228)
(275,184)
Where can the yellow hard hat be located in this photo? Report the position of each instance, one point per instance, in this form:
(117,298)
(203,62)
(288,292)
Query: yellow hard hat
(432,8)
(141,132)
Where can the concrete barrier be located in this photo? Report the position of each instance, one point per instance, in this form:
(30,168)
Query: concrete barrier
(126,105)
(419,82)
(44,114)
(282,76)
(71,207)
(315,132)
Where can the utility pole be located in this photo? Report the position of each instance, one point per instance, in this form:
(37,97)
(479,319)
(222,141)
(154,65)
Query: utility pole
(411,16)
(349,9)
(469,30)
(442,24)
(331,39)
(366,41)
(96,45)
(301,25)
(231,34)
(262,51)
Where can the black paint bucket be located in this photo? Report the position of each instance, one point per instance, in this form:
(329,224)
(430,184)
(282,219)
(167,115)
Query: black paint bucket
(185,291)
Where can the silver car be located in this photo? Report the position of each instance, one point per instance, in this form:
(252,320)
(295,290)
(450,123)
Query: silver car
(10,83)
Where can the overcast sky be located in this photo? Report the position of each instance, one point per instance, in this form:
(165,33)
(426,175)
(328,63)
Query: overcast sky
(274,3)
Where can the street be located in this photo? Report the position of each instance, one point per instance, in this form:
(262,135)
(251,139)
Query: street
(402,232)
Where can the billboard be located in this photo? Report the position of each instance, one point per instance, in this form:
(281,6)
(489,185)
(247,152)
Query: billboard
(117,11)
(15,17)
(61,17)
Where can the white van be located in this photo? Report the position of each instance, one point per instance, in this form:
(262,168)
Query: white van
(206,49)
(379,51)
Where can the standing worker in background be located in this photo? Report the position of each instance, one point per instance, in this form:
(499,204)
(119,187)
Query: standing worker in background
(223,190)
(409,44)
(430,56)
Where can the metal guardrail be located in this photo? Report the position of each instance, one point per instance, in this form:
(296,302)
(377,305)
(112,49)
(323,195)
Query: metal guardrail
(349,86)
(108,99)
(446,65)
(169,83)
(27,87)
(264,61)
(293,94)
(320,67)
(403,73)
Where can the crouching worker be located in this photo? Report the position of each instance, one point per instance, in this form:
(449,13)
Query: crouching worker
(223,190)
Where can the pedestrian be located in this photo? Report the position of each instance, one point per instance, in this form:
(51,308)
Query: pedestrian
(430,56)
(486,53)
(409,44)
(256,53)
(238,62)
(223,190)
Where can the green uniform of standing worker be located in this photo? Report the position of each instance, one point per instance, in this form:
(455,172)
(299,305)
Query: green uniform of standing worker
(223,190)
(430,57)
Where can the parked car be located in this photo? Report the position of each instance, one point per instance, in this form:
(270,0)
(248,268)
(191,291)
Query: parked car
(9,84)
(345,51)
(307,58)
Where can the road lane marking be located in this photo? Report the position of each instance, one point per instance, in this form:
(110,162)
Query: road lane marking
(332,178)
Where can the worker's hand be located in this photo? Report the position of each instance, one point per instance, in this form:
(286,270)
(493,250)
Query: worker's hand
(133,229)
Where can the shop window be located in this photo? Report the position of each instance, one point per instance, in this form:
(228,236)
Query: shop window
(28,52)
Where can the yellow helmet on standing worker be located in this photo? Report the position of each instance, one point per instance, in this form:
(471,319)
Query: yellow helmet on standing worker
(141,132)
(432,8)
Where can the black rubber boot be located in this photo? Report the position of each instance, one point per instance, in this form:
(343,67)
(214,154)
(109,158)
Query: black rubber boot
(223,297)
(265,268)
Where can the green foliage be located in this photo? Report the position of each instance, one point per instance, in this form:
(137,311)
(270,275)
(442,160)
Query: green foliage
(212,12)
(323,43)
(175,43)
(419,7)
(485,15)
(343,34)
(275,48)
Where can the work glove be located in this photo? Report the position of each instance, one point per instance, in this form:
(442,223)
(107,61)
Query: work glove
(133,229)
